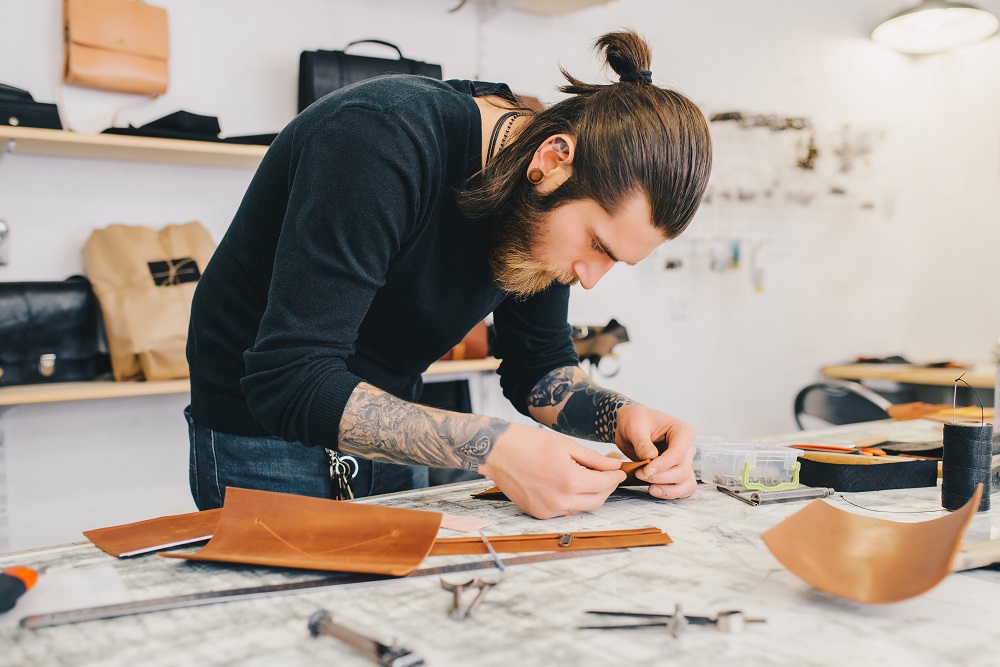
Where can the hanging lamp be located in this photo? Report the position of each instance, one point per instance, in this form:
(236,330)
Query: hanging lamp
(934,26)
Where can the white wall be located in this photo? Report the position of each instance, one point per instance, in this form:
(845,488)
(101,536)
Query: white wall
(914,276)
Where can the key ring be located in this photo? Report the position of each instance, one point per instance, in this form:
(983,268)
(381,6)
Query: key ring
(342,465)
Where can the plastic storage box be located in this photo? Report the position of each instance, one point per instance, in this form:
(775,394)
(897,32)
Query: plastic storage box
(768,467)
(702,443)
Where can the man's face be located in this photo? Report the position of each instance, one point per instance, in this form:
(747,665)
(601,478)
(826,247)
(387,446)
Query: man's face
(577,242)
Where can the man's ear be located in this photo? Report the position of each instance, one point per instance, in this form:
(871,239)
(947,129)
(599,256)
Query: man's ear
(552,163)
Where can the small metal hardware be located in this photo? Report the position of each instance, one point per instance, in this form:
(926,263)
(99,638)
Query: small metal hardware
(321,623)
(47,365)
(565,539)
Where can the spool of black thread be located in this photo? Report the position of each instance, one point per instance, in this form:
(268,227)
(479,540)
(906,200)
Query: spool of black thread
(966,464)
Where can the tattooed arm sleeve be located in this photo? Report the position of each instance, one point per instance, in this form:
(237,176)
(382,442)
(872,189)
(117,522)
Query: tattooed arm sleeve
(381,427)
(568,401)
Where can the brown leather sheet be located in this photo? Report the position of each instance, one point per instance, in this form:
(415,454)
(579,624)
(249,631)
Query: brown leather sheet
(139,537)
(866,559)
(593,539)
(276,529)
(630,468)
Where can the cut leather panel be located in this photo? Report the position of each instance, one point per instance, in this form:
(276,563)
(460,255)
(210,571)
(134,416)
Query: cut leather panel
(578,541)
(282,530)
(866,559)
(630,468)
(166,531)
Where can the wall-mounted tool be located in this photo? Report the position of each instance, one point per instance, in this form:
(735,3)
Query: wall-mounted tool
(4,242)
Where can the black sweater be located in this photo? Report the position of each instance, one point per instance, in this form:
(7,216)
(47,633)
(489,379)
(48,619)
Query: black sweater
(349,261)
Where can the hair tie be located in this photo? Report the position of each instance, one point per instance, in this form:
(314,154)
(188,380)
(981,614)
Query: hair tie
(636,76)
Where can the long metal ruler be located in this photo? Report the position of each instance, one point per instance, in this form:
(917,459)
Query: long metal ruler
(273,590)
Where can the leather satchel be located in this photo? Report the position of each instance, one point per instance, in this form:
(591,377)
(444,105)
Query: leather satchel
(48,332)
(120,45)
(322,72)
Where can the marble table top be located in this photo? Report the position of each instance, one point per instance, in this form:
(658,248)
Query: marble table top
(716,562)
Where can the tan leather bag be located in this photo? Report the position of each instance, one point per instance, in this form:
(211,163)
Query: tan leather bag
(145,280)
(120,45)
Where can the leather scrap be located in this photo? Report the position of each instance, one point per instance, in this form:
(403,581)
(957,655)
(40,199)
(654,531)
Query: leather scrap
(139,537)
(282,530)
(866,559)
(576,541)
(630,468)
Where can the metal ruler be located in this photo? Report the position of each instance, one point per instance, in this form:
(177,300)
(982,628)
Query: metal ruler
(273,590)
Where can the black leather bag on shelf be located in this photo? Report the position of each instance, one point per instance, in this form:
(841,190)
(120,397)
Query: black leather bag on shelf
(322,72)
(49,332)
(19,108)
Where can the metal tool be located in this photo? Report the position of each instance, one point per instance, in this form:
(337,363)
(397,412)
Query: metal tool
(766,497)
(731,621)
(321,623)
(483,586)
(343,580)
(456,591)
(4,241)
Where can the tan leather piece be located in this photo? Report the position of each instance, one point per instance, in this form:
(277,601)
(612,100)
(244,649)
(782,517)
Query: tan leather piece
(866,559)
(577,541)
(630,468)
(281,530)
(165,531)
(120,45)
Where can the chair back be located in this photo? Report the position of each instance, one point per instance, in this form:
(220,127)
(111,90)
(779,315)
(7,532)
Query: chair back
(839,402)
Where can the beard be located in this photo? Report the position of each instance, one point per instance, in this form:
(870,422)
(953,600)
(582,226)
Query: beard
(515,260)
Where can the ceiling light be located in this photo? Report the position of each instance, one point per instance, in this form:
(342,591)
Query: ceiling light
(934,26)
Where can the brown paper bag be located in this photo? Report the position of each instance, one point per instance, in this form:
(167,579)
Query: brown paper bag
(145,280)
(120,45)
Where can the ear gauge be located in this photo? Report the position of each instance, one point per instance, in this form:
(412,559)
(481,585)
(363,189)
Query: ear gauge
(535,176)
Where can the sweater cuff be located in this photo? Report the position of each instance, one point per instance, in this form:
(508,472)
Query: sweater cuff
(328,409)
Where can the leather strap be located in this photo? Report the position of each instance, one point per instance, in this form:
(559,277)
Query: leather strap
(577,541)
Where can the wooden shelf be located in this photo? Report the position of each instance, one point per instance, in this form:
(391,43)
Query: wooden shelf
(904,373)
(83,391)
(62,143)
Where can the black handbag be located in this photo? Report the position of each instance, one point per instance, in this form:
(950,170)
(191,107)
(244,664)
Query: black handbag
(49,332)
(322,72)
(19,108)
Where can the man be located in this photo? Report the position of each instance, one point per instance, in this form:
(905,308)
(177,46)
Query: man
(380,227)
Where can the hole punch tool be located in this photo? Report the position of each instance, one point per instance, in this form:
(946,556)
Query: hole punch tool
(730,621)
(322,623)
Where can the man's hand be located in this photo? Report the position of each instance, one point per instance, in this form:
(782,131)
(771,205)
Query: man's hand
(549,475)
(669,474)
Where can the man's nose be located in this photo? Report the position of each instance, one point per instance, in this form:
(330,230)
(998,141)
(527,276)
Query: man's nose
(590,272)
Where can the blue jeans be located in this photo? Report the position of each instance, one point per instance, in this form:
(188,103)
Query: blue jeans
(219,460)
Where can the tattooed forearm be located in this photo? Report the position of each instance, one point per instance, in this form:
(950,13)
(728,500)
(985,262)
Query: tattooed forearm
(381,427)
(570,402)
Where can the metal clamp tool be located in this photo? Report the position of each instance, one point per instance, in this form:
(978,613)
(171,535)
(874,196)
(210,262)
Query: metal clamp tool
(321,623)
